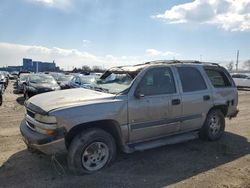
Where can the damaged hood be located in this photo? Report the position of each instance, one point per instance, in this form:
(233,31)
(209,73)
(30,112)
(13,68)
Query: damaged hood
(57,99)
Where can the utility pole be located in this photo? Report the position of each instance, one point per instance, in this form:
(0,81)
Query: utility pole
(237,60)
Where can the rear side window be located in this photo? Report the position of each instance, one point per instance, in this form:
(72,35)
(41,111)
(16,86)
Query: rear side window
(191,79)
(218,78)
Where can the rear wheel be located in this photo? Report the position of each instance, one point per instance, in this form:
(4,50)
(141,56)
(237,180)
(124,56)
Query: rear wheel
(214,126)
(91,151)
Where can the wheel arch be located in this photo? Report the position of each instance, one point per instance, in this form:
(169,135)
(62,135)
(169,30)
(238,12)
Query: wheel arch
(110,126)
(223,108)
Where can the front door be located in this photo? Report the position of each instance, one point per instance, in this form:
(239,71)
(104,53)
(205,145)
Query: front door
(156,104)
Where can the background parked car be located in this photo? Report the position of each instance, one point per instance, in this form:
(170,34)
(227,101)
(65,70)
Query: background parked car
(11,77)
(55,74)
(1,93)
(23,72)
(83,81)
(241,80)
(14,74)
(39,83)
(6,80)
(3,79)
(22,79)
(64,81)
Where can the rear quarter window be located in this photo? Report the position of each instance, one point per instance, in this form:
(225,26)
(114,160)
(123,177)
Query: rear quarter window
(191,79)
(218,78)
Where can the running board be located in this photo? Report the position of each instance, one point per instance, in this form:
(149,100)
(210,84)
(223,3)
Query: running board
(175,139)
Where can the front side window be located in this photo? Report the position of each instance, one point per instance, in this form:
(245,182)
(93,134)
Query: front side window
(157,81)
(218,78)
(191,79)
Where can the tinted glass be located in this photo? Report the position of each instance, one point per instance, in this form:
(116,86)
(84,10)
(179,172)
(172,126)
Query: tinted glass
(191,79)
(157,81)
(218,78)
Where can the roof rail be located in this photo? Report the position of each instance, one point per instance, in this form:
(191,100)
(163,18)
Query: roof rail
(180,61)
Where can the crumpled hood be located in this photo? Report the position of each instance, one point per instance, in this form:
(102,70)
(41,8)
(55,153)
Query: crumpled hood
(62,98)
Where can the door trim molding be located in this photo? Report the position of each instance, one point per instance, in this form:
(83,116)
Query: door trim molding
(164,121)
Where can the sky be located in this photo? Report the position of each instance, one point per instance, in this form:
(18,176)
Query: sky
(109,33)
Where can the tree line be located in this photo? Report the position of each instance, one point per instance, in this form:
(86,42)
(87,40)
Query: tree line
(88,69)
(231,65)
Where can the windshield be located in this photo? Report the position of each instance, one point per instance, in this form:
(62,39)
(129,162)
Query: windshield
(64,78)
(42,79)
(23,77)
(115,82)
(87,79)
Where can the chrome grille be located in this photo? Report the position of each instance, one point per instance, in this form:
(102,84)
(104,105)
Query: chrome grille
(30,113)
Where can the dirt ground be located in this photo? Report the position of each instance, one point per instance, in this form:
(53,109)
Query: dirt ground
(225,163)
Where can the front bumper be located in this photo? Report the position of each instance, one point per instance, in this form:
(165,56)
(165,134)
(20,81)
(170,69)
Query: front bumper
(39,91)
(48,144)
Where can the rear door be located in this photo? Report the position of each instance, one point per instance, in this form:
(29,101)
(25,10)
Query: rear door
(153,114)
(196,97)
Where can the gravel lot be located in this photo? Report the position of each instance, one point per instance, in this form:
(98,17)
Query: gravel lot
(225,163)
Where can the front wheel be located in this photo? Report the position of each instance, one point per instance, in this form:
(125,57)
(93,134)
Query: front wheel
(90,151)
(214,126)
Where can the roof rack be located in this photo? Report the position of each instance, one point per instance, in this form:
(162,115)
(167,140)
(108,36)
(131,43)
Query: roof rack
(180,62)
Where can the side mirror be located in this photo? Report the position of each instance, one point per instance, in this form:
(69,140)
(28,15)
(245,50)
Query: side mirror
(138,94)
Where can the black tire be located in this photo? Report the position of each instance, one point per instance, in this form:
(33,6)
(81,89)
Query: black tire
(84,141)
(214,126)
(1,99)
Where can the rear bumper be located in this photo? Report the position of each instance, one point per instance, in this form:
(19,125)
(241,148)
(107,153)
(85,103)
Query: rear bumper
(45,143)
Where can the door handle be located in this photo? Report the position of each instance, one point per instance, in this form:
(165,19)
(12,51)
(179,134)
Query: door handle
(176,101)
(206,98)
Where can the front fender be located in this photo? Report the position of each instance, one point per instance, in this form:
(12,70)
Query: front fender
(72,116)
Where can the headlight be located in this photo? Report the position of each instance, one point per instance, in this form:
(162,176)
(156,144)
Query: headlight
(45,119)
